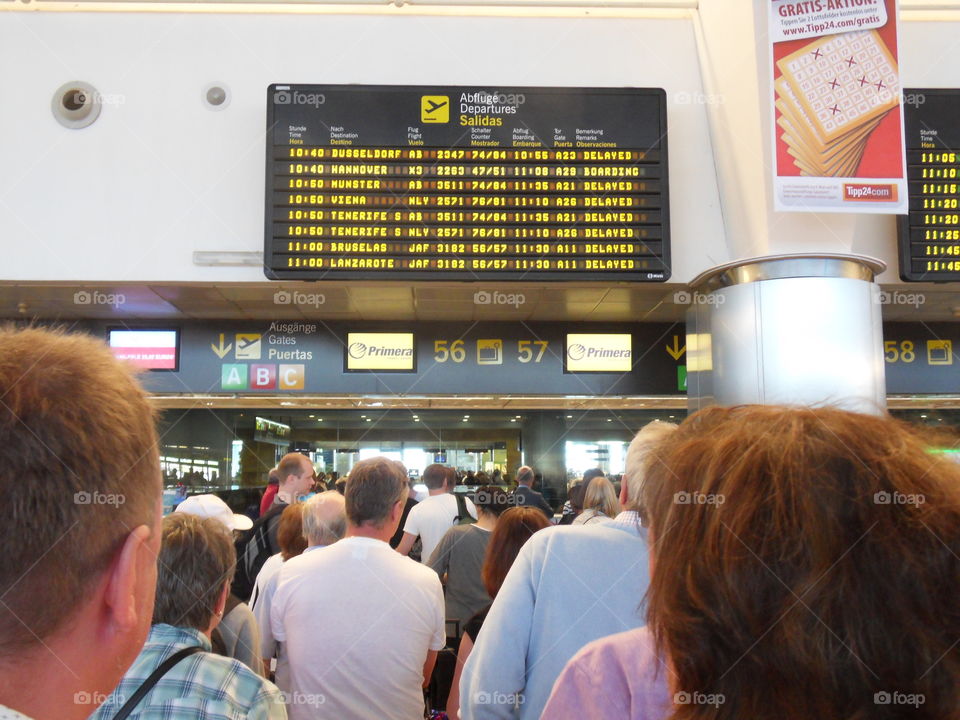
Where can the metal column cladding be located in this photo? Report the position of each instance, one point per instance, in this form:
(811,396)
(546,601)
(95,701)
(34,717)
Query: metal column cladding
(788,330)
(464,183)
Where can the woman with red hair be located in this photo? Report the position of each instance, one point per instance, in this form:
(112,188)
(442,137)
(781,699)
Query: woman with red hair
(806,565)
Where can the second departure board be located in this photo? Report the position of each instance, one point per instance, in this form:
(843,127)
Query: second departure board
(929,237)
(466,183)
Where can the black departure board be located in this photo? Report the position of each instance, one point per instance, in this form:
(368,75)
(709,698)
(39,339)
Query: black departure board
(929,236)
(466,183)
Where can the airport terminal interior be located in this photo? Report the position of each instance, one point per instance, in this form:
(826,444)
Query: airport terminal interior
(490,234)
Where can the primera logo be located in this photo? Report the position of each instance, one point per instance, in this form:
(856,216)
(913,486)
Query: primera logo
(380,351)
(357,350)
(591,352)
(294,97)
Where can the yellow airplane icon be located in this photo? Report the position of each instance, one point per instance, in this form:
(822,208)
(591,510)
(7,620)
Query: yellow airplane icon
(434,109)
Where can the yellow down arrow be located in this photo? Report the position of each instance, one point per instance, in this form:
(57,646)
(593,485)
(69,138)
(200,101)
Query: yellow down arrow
(676,351)
(221,351)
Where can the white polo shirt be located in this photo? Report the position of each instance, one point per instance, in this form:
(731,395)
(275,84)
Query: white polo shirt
(357,621)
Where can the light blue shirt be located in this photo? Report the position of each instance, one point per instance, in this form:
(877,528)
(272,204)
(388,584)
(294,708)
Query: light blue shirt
(569,586)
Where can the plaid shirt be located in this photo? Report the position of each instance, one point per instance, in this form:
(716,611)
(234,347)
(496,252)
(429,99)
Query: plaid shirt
(203,686)
(629,519)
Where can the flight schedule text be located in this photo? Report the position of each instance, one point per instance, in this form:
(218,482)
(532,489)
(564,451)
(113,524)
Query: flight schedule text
(401,182)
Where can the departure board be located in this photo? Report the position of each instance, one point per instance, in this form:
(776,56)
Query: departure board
(466,183)
(929,237)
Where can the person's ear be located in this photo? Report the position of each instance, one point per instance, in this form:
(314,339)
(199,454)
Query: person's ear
(133,569)
(623,492)
(222,600)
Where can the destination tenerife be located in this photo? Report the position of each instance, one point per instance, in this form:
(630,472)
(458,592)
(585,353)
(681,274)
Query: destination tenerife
(463,183)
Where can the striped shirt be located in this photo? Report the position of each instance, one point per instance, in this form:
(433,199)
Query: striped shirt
(203,686)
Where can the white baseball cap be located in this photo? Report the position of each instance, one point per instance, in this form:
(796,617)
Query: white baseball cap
(210,506)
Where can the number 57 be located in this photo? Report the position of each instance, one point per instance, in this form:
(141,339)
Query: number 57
(526,351)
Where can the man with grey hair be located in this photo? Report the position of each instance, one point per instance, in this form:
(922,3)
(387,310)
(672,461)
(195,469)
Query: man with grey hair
(568,586)
(382,612)
(324,522)
(324,519)
(193,581)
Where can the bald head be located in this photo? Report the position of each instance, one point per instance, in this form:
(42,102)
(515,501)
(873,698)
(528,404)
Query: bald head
(324,518)
(525,475)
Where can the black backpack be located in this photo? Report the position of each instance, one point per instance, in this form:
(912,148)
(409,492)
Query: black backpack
(253,549)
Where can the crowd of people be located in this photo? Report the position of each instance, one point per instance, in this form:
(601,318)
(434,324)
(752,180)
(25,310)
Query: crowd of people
(758,562)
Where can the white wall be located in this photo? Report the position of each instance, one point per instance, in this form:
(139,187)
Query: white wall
(160,176)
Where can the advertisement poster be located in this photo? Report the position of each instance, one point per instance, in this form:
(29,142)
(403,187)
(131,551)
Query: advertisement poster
(837,107)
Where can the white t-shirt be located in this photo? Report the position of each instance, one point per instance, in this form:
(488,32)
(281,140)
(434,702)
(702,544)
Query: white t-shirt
(357,621)
(269,647)
(432,518)
(269,568)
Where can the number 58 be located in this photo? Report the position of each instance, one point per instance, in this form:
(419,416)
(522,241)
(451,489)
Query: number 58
(902,351)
